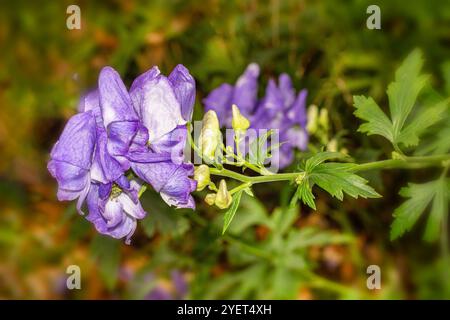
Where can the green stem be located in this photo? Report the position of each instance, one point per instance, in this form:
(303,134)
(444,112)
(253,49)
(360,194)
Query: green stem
(407,163)
(241,187)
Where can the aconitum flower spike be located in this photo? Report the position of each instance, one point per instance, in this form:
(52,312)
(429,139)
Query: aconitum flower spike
(115,131)
(280,109)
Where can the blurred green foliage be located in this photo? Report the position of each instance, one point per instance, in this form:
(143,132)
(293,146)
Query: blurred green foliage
(270,250)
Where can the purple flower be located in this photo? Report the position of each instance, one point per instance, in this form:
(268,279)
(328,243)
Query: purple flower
(71,158)
(165,104)
(280,108)
(114,211)
(117,130)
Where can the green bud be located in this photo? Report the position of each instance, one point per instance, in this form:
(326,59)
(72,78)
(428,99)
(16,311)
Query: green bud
(300,177)
(239,122)
(323,119)
(332,145)
(313,114)
(210,135)
(201,175)
(210,198)
(223,196)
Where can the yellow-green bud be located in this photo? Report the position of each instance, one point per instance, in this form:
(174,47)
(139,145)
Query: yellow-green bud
(239,122)
(332,145)
(323,119)
(210,198)
(223,196)
(201,175)
(300,177)
(210,135)
(313,114)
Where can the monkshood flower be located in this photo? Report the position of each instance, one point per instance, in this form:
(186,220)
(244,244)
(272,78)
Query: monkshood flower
(117,130)
(279,109)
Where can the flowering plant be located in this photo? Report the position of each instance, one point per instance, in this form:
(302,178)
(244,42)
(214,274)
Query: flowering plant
(122,141)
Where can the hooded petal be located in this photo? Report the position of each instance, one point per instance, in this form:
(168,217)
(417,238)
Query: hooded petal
(154,99)
(245,92)
(105,168)
(184,87)
(120,136)
(219,100)
(108,216)
(297,113)
(76,143)
(287,89)
(170,180)
(71,156)
(270,109)
(132,208)
(297,137)
(115,101)
(70,178)
(172,143)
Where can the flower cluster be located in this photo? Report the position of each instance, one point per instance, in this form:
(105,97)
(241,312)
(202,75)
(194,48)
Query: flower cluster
(122,138)
(280,109)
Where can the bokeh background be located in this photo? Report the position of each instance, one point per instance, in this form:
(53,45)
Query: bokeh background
(270,251)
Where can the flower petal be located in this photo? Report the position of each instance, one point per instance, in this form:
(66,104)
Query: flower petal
(245,93)
(297,113)
(184,87)
(76,143)
(115,101)
(172,143)
(219,100)
(157,106)
(287,89)
(171,180)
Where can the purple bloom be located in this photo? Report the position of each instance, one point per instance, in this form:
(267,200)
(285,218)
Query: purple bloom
(71,158)
(179,290)
(117,130)
(114,211)
(279,109)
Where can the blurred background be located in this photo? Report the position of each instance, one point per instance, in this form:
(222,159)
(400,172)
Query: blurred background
(271,251)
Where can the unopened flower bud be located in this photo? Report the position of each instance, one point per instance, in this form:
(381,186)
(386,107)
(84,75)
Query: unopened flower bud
(323,119)
(210,198)
(239,122)
(300,177)
(201,175)
(313,114)
(332,145)
(223,196)
(210,135)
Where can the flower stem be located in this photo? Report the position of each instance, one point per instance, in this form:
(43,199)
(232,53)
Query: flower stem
(406,163)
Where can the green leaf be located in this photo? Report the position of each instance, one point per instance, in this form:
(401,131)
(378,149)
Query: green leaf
(305,194)
(229,215)
(311,236)
(337,178)
(284,218)
(377,121)
(439,209)
(258,148)
(106,251)
(428,116)
(403,92)
(420,196)
(250,212)
(321,157)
